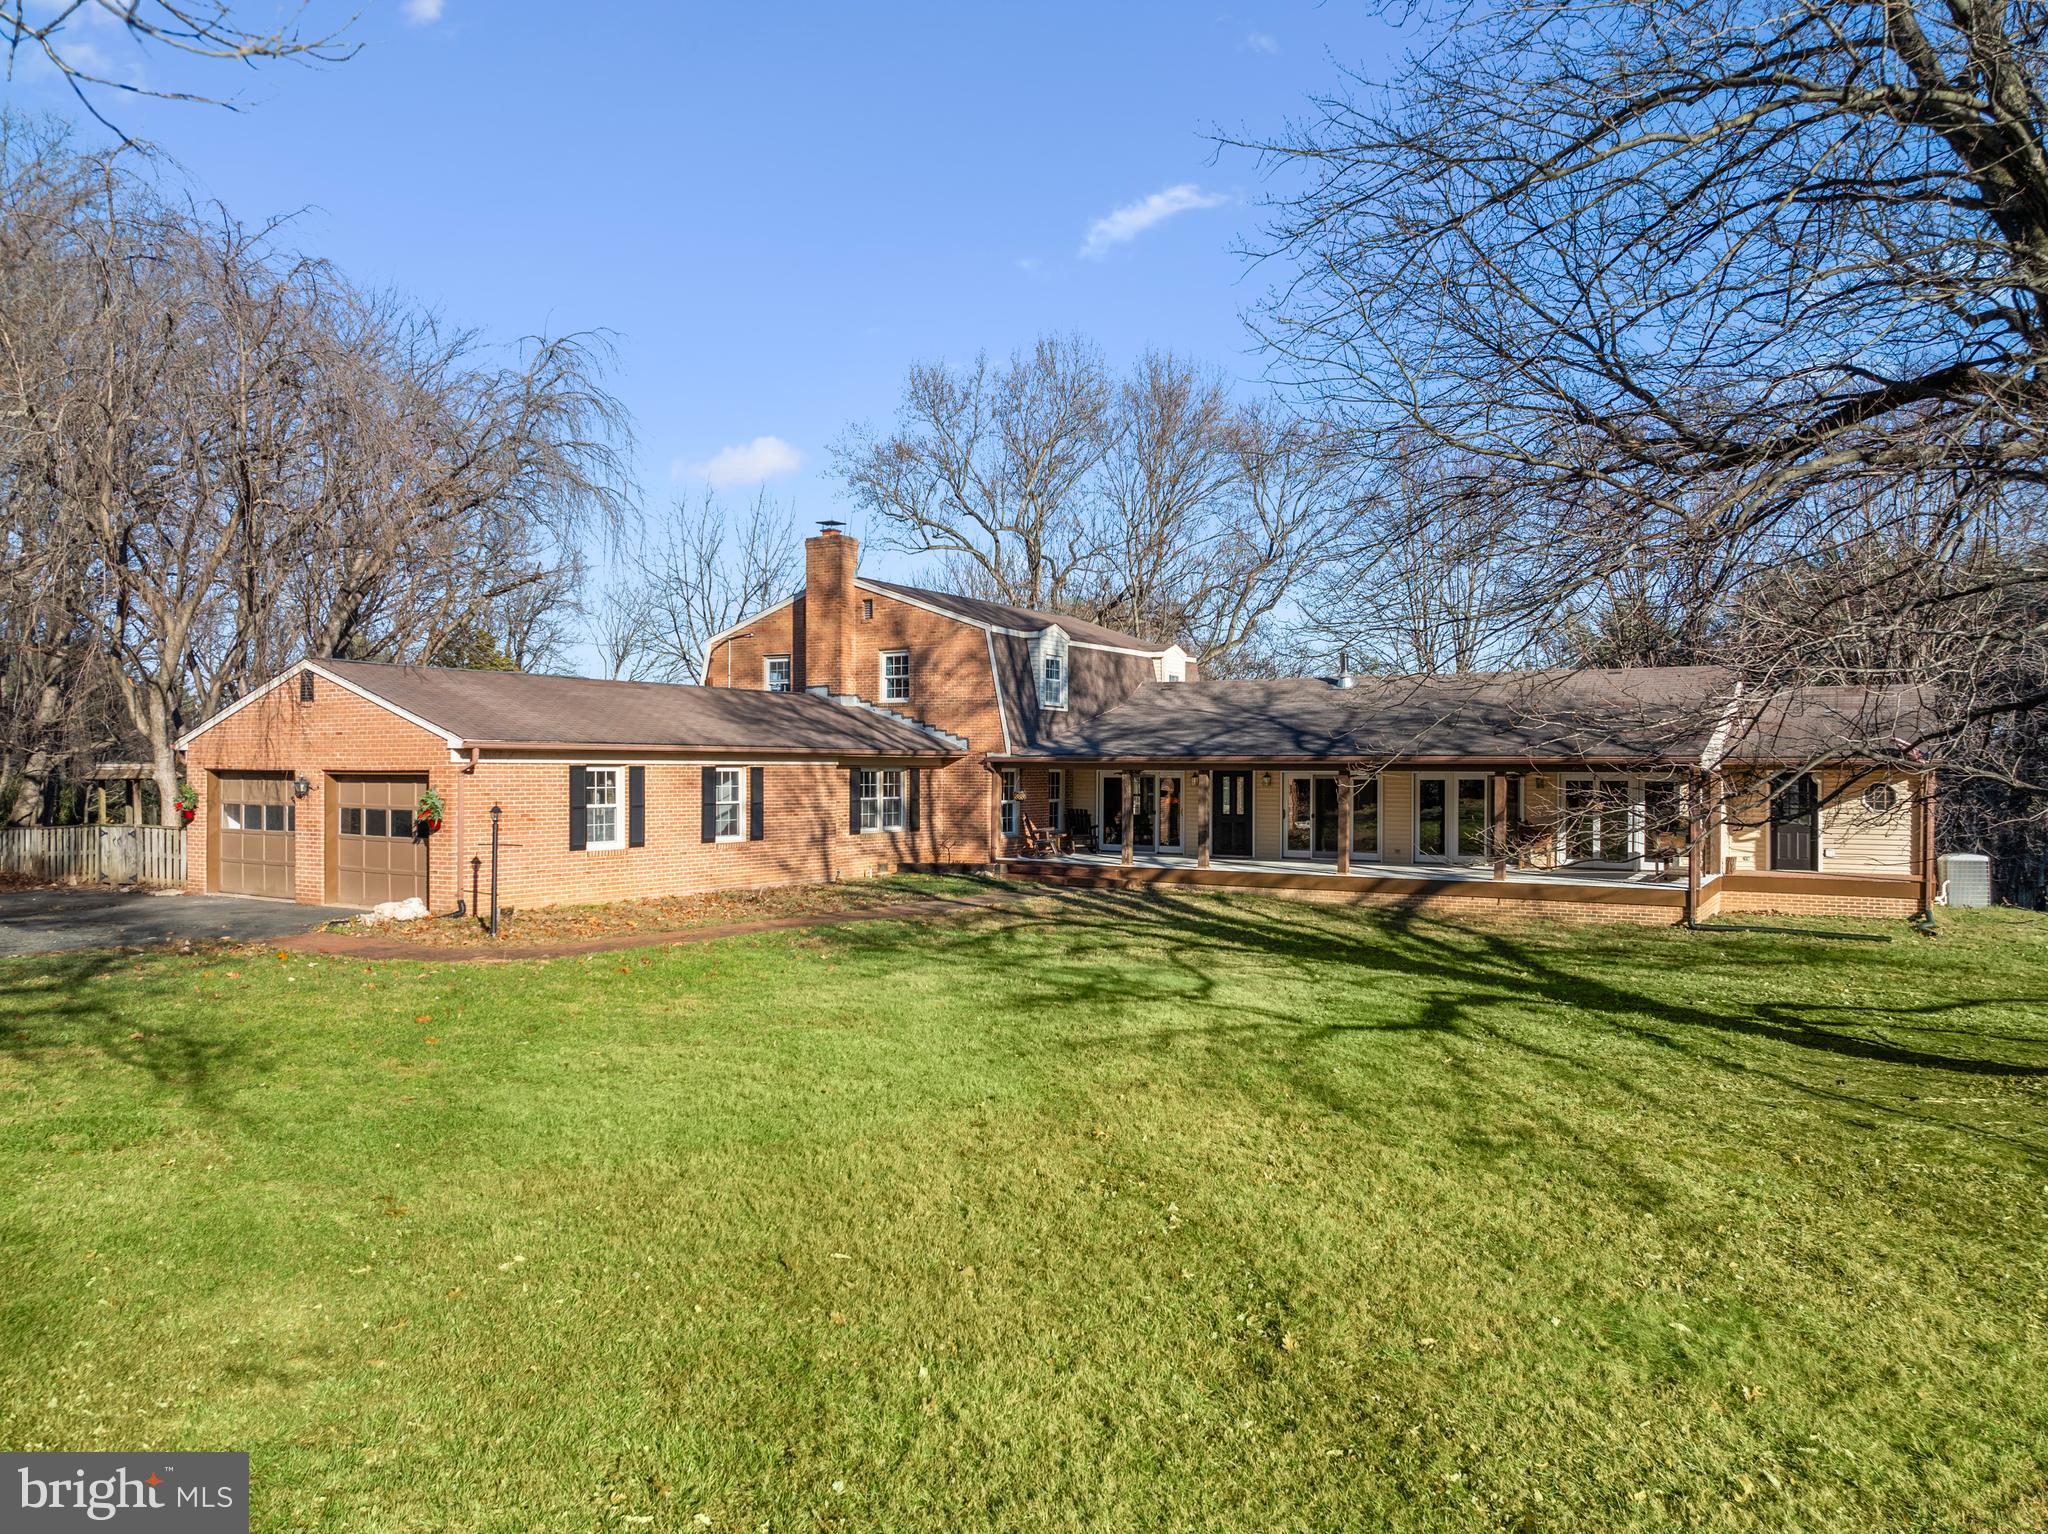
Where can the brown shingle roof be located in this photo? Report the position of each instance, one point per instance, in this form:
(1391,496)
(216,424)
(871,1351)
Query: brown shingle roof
(1815,724)
(1003,616)
(1665,714)
(513,707)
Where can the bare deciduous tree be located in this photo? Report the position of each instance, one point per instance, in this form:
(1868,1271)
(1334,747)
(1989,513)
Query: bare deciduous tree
(709,568)
(1716,286)
(986,470)
(1152,503)
(201,30)
(230,457)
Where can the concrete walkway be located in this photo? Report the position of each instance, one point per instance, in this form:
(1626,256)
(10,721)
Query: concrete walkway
(366,945)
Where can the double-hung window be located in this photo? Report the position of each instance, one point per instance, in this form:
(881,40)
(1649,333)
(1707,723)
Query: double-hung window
(1055,800)
(892,799)
(1012,804)
(726,805)
(776,678)
(869,783)
(603,825)
(895,676)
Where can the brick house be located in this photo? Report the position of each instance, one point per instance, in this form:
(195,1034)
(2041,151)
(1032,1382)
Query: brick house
(861,726)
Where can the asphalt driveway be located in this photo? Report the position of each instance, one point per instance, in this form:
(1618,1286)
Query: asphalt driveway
(57,921)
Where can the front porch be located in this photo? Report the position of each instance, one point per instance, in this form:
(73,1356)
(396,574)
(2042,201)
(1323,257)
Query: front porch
(1617,895)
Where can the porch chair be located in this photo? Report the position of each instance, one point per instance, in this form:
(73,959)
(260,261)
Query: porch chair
(1042,842)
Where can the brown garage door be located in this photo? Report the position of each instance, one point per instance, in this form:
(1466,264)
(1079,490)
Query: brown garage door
(253,818)
(378,853)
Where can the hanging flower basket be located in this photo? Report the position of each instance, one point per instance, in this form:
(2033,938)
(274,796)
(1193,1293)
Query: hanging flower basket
(187,802)
(428,811)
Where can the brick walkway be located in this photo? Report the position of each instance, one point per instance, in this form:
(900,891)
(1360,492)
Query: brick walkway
(352,945)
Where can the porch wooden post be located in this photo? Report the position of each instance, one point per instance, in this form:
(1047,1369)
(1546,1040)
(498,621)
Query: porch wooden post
(1695,841)
(1344,819)
(1497,818)
(1928,882)
(1204,814)
(1124,817)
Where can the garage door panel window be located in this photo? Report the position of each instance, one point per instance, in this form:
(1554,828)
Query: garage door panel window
(602,829)
(351,822)
(376,823)
(401,823)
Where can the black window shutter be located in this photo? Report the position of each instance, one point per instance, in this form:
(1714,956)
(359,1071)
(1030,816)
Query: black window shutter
(911,781)
(709,781)
(636,806)
(578,820)
(853,801)
(756,820)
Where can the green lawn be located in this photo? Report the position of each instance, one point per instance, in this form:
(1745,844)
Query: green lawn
(1196,1213)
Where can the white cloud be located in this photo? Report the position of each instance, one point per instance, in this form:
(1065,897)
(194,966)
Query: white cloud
(1133,219)
(423,13)
(744,463)
(1262,42)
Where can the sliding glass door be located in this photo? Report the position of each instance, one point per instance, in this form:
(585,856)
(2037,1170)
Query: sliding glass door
(1450,817)
(1158,812)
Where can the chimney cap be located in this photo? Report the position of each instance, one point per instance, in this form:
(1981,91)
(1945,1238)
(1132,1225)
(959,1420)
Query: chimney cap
(830,527)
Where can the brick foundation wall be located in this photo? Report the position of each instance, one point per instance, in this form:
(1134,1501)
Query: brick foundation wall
(1792,904)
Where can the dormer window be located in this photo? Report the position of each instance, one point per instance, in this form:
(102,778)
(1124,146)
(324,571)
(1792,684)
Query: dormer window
(1049,666)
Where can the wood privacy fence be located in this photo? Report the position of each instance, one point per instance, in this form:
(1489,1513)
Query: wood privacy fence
(117,854)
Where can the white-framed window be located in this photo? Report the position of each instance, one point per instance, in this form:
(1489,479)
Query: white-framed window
(895,676)
(892,799)
(775,673)
(1056,800)
(603,826)
(870,797)
(728,804)
(1012,801)
(1049,663)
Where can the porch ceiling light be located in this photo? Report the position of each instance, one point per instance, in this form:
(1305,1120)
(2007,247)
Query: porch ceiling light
(301,788)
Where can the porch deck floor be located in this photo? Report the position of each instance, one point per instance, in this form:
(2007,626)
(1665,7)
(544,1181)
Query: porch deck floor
(1586,878)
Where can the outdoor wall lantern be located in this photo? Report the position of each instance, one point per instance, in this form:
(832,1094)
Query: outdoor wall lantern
(1265,780)
(300,788)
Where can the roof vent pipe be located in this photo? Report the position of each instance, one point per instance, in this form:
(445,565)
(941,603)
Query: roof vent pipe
(1344,679)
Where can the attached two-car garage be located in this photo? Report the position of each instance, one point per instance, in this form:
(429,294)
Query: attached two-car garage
(374,849)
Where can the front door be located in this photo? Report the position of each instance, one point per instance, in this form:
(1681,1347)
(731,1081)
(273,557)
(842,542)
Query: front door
(1450,818)
(1233,815)
(1795,824)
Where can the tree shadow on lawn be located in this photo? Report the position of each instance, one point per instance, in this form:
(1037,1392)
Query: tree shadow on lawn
(1481,979)
(49,1011)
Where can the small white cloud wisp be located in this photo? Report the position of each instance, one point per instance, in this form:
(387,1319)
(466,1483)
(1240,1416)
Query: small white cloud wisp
(1133,219)
(423,13)
(746,463)
(1262,42)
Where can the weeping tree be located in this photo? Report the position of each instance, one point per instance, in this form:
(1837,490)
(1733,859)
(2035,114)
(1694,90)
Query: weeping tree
(221,455)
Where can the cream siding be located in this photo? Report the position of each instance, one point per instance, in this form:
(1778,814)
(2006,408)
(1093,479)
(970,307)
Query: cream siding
(1397,817)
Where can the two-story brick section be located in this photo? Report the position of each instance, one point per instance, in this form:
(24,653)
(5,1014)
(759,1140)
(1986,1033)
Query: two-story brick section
(861,726)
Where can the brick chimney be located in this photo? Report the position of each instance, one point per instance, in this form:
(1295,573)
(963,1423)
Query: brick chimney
(829,560)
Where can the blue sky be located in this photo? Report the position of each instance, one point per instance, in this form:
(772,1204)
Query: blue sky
(776,209)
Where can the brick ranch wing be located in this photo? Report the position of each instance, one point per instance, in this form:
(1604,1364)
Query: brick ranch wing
(312,788)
